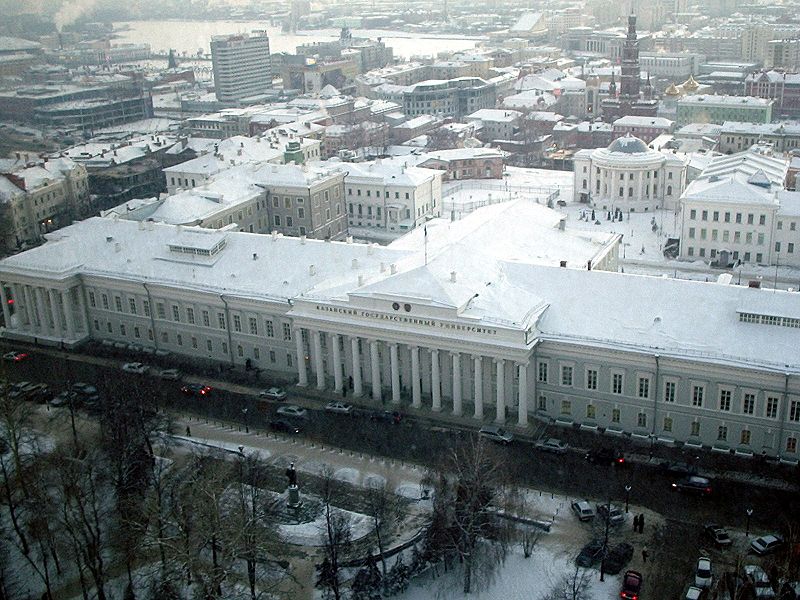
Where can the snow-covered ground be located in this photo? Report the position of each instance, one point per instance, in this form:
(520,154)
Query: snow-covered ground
(313,532)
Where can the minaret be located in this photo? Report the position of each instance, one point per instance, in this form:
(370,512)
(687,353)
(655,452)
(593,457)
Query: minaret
(629,78)
(612,87)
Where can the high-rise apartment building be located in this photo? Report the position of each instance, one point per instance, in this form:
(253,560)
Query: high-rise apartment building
(242,66)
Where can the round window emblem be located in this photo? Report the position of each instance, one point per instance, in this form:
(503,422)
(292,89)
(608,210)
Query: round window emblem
(396,306)
(407,307)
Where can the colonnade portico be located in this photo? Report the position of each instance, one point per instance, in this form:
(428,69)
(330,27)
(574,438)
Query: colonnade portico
(351,371)
(42,312)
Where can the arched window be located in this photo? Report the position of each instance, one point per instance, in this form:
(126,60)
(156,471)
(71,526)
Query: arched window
(630,192)
(669,190)
(621,192)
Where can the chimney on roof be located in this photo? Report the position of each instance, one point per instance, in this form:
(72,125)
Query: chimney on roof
(360,280)
(255,256)
(453,277)
(312,270)
(393,268)
(588,265)
(563,264)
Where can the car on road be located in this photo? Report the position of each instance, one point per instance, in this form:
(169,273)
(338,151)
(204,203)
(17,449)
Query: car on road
(702,574)
(617,558)
(170,374)
(605,456)
(766,544)
(283,426)
(341,408)
(290,410)
(717,535)
(693,483)
(631,585)
(610,512)
(583,510)
(196,389)
(135,367)
(386,416)
(758,578)
(695,593)
(273,393)
(590,554)
(553,445)
(38,392)
(16,356)
(677,468)
(496,433)
(84,389)
(65,398)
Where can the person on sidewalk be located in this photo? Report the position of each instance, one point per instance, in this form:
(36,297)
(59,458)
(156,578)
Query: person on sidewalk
(188,432)
(641,523)
(635,523)
(645,554)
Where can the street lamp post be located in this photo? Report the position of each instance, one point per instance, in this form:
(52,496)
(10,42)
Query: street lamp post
(605,542)
(246,425)
(627,496)
(747,529)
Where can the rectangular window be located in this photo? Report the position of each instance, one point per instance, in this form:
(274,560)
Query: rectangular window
(206,319)
(725,400)
(591,379)
(256,353)
(136,333)
(122,330)
(697,395)
(744,439)
(543,372)
(566,407)
(644,387)
(132,305)
(165,337)
(641,420)
(224,347)
(542,402)
(791,445)
(239,351)
(180,340)
(146,308)
(104,297)
(209,345)
(118,303)
(221,320)
(749,404)
(722,433)
(194,342)
(794,411)
(253,322)
(161,310)
(190,316)
(616,383)
(566,375)
(615,415)
(269,328)
(289,360)
(695,430)
(669,391)
(92,300)
(772,408)
(237,323)
(591,411)
(287,332)
(176,315)
(668,424)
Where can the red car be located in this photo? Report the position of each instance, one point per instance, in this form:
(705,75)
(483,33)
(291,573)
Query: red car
(196,389)
(15,356)
(631,585)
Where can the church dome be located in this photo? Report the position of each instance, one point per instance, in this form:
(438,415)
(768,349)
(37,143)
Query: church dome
(690,84)
(672,90)
(628,145)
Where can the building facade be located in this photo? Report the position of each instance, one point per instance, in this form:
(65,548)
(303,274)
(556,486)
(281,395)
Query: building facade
(435,335)
(703,108)
(242,67)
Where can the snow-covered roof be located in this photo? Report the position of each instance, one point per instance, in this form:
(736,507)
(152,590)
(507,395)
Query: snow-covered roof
(495,115)
(387,173)
(634,121)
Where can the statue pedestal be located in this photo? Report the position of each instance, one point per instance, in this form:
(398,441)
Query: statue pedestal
(294,496)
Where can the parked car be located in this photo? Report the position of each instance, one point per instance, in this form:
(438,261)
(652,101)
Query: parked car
(766,544)
(496,433)
(631,585)
(38,392)
(678,468)
(64,399)
(695,593)
(170,374)
(339,407)
(702,574)
(717,535)
(693,483)
(611,512)
(196,389)
(583,510)
(617,558)
(16,356)
(553,445)
(290,410)
(386,416)
(135,367)
(84,389)
(757,577)
(273,393)
(284,426)
(605,456)
(590,554)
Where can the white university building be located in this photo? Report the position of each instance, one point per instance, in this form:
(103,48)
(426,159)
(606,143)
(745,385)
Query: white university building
(480,321)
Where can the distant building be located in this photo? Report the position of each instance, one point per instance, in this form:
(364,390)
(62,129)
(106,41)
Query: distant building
(718,109)
(630,176)
(782,87)
(466,163)
(242,67)
(496,124)
(645,128)
(448,98)
(737,137)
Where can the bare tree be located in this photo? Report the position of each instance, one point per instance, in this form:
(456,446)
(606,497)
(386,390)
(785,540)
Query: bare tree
(573,586)
(385,509)
(529,537)
(336,537)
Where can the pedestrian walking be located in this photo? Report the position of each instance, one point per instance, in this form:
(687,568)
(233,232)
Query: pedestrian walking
(188,432)
(636,524)
(645,554)
(641,523)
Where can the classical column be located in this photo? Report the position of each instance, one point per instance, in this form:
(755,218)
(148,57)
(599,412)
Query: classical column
(302,375)
(501,391)
(376,369)
(395,374)
(522,416)
(337,362)
(357,391)
(318,366)
(69,313)
(416,384)
(4,300)
(456,384)
(55,307)
(436,388)
(82,311)
(43,324)
(478,386)
(20,308)
(34,323)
